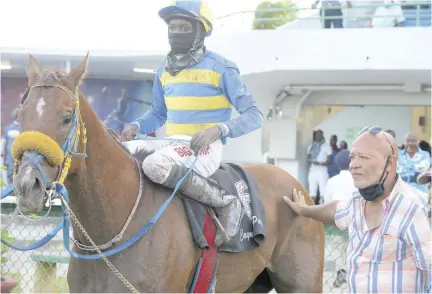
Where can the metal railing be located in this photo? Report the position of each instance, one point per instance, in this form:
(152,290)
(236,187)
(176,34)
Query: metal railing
(417,11)
(44,270)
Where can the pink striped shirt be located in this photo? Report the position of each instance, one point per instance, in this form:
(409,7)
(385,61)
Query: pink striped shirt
(395,257)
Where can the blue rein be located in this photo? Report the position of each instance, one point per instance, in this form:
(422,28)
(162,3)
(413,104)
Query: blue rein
(36,161)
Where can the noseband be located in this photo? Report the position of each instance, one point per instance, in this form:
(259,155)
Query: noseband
(37,146)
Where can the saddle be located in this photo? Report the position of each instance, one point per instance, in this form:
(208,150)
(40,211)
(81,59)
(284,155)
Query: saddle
(245,221)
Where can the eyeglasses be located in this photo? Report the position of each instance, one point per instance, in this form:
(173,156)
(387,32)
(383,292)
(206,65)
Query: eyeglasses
(375,130)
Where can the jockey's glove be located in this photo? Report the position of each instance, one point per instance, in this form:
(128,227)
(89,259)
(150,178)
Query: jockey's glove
(129,133)
(205,138)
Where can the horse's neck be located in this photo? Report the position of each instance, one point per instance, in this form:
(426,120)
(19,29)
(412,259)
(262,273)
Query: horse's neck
(104,186)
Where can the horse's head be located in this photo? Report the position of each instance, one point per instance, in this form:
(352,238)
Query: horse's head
(51,132)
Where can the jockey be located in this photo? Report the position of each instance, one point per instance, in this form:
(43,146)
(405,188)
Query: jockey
(193,94)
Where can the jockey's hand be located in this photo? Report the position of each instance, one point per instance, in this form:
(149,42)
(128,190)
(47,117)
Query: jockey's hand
(298,204)
(204,138)
(129,133)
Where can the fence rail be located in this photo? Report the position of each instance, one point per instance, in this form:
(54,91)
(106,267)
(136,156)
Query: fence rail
(416,13)
(44,270)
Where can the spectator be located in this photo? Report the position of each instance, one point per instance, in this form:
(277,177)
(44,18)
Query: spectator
(359,14)
(332,169)
(10,133)
(425,146)
(389,231)
(412,162)
(391,132)
(343,145)
(330,9)
(388,15)
(319,156)
(341,187)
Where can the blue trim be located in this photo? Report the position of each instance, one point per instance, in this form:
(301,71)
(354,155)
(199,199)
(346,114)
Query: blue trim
(199,116)
(191,89)
(66,221)
(7,191)
(65,224)
(197,271)
(213,282)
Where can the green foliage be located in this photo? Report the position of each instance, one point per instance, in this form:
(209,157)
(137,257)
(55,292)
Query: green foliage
(272,14)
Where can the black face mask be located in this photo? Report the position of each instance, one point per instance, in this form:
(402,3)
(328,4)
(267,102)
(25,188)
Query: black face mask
(181,43)
(374,191)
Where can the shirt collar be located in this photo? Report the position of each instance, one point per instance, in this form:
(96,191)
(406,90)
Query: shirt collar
(395,191)
(403,151)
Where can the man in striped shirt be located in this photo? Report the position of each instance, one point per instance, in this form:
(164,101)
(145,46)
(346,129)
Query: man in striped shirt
(389,248)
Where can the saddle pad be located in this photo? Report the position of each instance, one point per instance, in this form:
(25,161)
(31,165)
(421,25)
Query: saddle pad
(247,220)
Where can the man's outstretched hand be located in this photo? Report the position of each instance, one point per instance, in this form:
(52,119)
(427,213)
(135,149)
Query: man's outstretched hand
(298,204)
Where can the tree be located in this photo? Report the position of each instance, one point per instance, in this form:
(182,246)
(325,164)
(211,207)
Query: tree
(271,14)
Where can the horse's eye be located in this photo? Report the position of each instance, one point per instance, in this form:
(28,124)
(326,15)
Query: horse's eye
(67,120)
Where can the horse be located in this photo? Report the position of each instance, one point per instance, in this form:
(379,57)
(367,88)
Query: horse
(103,187)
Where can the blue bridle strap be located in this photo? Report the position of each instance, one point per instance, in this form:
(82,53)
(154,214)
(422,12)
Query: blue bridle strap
(66,221)
(39,243)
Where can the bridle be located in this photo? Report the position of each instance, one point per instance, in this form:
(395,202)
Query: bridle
(37,146)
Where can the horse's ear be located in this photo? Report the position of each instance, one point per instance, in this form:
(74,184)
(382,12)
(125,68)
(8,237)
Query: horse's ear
(32,70)
(78,73)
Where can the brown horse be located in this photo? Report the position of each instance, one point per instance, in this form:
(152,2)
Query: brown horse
(103,188)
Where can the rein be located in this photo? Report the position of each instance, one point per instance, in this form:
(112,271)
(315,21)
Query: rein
(38,146)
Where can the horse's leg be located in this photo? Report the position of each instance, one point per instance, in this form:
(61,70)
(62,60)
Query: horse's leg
(298,260)
(262,284)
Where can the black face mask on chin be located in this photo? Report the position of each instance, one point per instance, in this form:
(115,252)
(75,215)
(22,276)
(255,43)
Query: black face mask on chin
(374,191)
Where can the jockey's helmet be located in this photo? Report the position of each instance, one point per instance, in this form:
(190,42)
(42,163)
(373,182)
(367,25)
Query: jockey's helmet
(195,9)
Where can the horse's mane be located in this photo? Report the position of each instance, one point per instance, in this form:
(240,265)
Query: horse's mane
(117,139)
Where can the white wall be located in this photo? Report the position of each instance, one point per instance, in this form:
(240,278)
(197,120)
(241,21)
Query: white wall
(349,121)
(347,49)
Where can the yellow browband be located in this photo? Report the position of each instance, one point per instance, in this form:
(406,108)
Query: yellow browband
(46,146)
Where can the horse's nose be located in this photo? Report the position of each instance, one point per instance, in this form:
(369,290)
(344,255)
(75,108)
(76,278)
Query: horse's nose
(29,183)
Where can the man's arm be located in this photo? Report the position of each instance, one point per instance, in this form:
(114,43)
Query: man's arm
(324,213)
(250,117)
(419,238)
(334,212)
(156,116)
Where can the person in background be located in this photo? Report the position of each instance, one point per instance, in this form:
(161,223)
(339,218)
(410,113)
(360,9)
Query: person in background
(332,169)
(425,146)
(10,133)
(388,15)
(389,232)
(412,162)
(340,187)
(331,9)
(343,145)
(391,132)
(319,156)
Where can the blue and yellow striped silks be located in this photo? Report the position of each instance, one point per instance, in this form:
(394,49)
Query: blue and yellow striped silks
(198,9)
(195,99)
